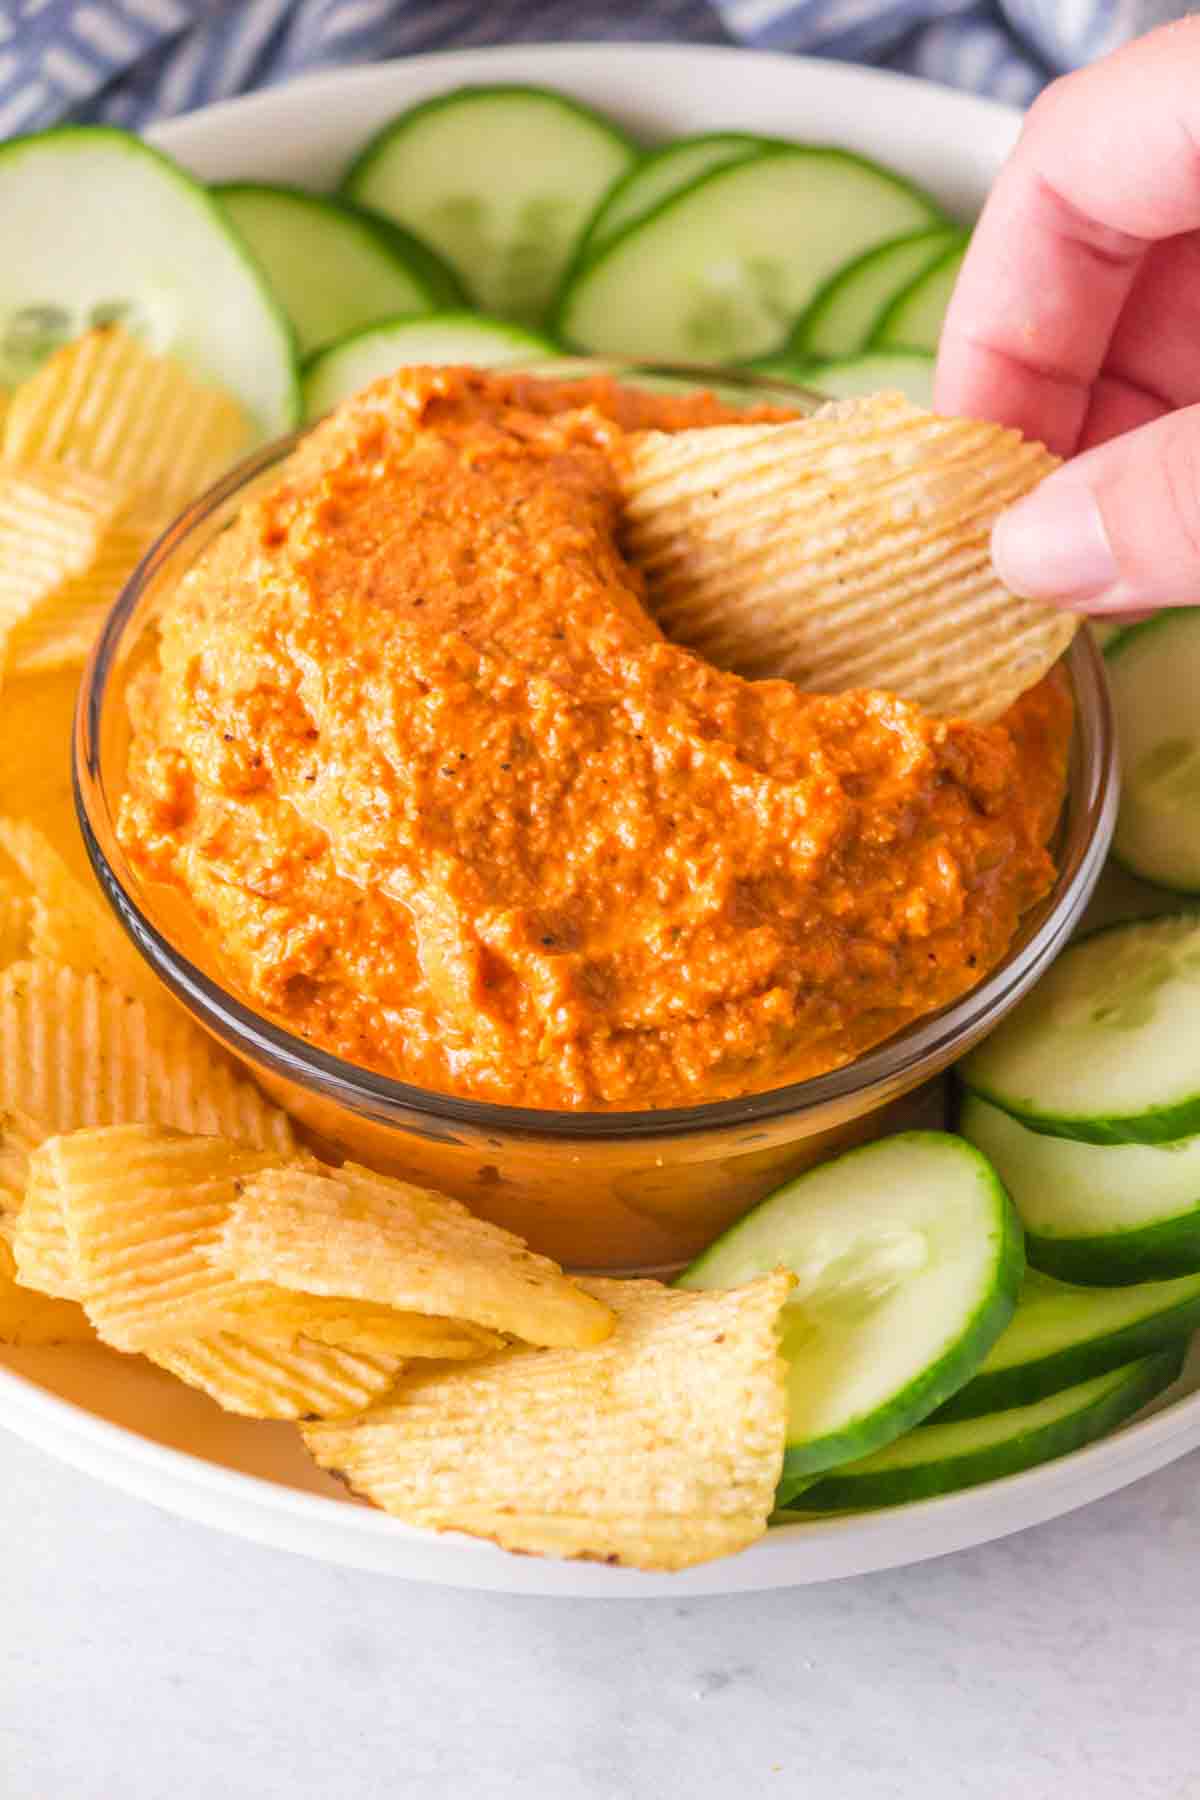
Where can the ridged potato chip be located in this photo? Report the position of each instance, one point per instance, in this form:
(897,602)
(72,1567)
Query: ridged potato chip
(409,1335)
(19,1138)
(289,1378)
(107,405)
(58,631)
(143,1209)
(29,1313)
(352,1325)
(352,1234)
(41,1244)
(52,521)
(265,1380)
(659,1448)
(847,550)
(67,546)
(138,1205)
(71,924)
(28,1318)
(76,1050)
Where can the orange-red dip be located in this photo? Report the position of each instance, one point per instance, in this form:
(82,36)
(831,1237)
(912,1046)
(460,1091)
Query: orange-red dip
(451,807)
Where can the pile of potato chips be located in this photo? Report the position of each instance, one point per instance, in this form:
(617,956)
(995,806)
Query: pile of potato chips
(153,1203)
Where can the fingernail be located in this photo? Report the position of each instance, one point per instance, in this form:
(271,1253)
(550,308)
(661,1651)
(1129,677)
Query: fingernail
(1053,545)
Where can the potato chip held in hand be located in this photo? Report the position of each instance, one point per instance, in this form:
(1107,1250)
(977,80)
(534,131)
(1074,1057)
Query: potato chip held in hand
(848,550)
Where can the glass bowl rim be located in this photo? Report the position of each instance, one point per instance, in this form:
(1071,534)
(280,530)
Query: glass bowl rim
(924,1040)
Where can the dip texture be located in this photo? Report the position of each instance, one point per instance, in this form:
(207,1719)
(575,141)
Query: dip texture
(450,806)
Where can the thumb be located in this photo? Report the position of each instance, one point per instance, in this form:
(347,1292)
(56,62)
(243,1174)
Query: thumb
(1116,530)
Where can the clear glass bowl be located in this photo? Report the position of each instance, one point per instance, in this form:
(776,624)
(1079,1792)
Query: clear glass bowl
(613,1190)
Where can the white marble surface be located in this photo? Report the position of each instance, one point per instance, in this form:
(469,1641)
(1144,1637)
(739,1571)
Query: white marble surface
(142,1658)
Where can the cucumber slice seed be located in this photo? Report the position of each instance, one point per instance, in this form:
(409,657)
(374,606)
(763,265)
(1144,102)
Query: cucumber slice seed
(335,267)
(719,271)
(1103,1213)
(1062,1334)
(848,308)
(104,229)
(500,180)
(942,1458)
(1105,1048)
(908,1258)
(342,368)
(1153,672)
(913,320)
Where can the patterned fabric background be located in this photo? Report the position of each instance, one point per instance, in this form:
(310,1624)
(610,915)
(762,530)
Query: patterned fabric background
(128,61)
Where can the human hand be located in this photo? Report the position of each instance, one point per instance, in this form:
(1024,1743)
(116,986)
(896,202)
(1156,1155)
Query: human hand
(1077,318)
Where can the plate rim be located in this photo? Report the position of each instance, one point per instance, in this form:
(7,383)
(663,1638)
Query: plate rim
(1135,1449)
(1143,1431)
(1140,1447)
(617,51)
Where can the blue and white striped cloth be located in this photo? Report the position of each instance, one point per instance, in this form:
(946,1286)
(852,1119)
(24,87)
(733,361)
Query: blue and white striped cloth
(129,61)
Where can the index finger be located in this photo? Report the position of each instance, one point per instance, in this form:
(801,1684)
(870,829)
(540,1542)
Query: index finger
(1108,164)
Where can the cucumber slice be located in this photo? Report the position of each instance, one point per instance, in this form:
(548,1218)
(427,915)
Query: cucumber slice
(1105,1049)
(342,368)
(335,267)
(908,1258)
(787,1493)
(848,308)
(940,1458)
(659,175)
(843,376)
(500,180)
(1154,678)
(1062,1335)
(1106,632)
(100,229)
(913,320)
(720,271)
(1107,1213)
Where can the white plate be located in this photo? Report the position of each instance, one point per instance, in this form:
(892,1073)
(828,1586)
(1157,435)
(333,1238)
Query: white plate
(127,1423)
